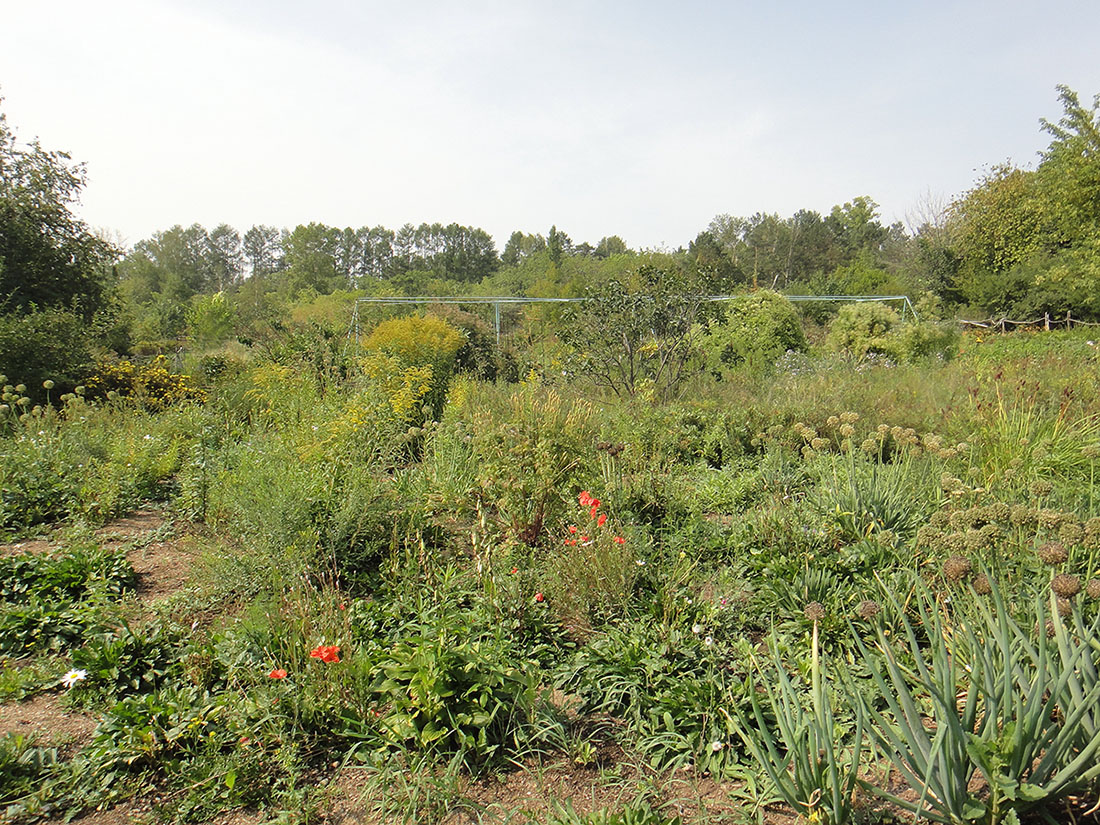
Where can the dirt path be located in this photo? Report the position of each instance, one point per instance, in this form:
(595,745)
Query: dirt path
(162,555)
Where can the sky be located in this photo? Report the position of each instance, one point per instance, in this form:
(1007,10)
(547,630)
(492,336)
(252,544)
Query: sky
(642,119)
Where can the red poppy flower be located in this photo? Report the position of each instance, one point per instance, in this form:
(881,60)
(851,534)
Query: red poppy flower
(619,540)
(572,528)
(538,597)
(515,570)
(585,538)
(326,653)
(601,519)
(570,542)
(277,673)
(585,498)
(595,506)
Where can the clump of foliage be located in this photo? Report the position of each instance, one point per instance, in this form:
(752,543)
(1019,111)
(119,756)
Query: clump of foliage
(423,346)
(872,329)
(756,328)
(151,385)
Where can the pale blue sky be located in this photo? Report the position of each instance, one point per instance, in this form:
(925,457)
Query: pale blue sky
(638,119)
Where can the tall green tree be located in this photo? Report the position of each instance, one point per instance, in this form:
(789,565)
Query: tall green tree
(48,256)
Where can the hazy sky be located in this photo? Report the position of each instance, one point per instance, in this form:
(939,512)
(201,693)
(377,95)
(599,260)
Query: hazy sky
(641,119)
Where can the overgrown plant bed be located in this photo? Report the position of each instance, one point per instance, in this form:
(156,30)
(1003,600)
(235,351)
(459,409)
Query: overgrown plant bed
(530,603)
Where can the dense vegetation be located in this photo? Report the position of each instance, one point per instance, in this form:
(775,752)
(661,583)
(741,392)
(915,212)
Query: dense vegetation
(837,559)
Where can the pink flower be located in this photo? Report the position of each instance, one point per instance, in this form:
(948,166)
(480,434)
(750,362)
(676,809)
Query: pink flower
(277,673)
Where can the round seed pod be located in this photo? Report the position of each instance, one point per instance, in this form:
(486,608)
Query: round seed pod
(1092,589)
(814,611)
(868,609)
(1065,607)
(1052,553)
(957,569)
(1065,586)
(982,586)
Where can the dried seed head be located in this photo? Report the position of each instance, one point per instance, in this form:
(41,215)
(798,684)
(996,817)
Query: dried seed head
(1065,607)
(982,586)
(1049,627)
(957,568)
(1065,585)
(1041,488)
(1052,553)
(814,611)
(868,609)
(1092,589)
(1071,533)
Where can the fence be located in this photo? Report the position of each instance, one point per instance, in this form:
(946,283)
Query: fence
(1002,323)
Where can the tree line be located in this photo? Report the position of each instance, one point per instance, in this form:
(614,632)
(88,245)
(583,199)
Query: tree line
(1019,242)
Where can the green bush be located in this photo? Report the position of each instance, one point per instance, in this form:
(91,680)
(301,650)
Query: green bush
(151,385)
(870,329)
(47,344)
(861,329)
(756,329)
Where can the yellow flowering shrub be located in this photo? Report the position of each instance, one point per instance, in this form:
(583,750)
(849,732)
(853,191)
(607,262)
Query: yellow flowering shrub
(404,353)
(150,385)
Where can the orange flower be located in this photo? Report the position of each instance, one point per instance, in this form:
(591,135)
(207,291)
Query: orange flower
(277,673)
(572,528)
(585,498)
(326,653)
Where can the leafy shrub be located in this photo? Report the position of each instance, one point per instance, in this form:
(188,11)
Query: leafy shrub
(151,385)
(49,601)
(23,766)
(67,575)
(668,686)
(446,692)
(419,342)
(869,329)
(47,344)
(861,329)
(126,660)
(756,329)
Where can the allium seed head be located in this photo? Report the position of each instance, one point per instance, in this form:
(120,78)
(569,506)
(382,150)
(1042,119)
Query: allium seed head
(868,609)
(1065,585)
(957,568)
(814,611)
(1092,589)
(982,586)
(1052,553)
(1065,607)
